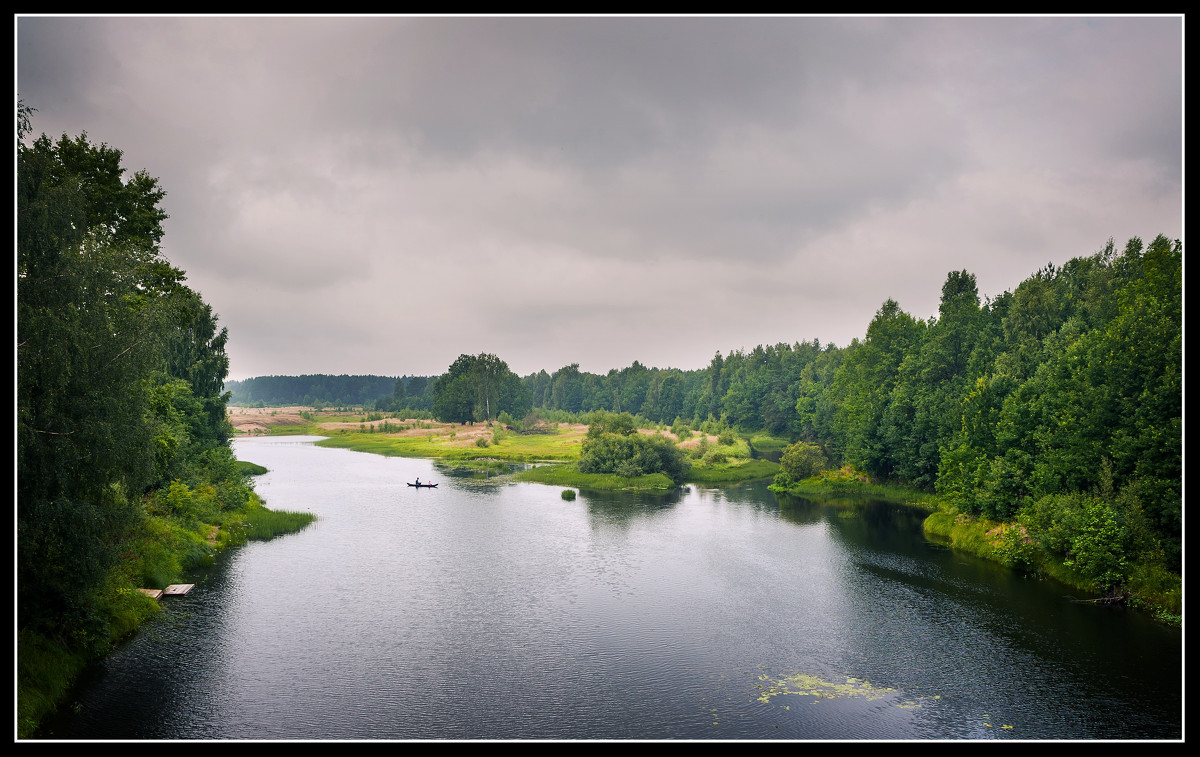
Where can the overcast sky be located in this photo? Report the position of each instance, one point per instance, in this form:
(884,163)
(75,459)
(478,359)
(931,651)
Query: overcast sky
(379,195)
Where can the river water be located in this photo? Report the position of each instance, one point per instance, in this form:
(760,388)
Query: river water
(489,609)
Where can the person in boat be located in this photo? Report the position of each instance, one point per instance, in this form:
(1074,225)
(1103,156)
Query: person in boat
(418,482)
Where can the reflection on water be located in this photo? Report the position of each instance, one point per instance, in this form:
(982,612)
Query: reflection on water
(489,609)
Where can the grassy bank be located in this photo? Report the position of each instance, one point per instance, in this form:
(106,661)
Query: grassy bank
(183,531)
(731,472)
(847,483)
(569,475)
(765,444)
(728,460)
(1149,587)
(818,489)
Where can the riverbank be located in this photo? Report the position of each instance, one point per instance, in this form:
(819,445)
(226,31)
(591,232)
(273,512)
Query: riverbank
(715,460)
(170,548)
(1149,588)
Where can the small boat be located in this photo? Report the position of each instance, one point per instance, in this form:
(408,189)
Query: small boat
(424,486)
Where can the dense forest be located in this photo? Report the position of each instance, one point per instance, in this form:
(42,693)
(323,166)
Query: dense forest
(1058,404)
(125,475)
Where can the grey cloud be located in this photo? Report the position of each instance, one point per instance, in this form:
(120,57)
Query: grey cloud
(531,184)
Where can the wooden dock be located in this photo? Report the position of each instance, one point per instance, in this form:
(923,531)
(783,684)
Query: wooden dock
(174,590)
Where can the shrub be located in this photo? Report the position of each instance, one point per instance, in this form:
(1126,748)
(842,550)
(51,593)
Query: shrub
(802,460)
(681,430)
(604,422)
(716,457)
(1085,531)
(1016,549)
(632,455)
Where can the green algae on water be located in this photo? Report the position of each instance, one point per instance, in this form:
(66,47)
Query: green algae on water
(803,684)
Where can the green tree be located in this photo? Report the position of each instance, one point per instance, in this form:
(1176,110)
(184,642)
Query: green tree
(1085,531)
(453,393)
(94,298)
(924,411)
(863,386)
(477,388)
(603,422)
(566,389)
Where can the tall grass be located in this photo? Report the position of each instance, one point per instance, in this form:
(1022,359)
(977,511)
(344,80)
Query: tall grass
(765,443)
(747,470)
(818,488)
(261,523)
(250,469)
(45,672)
(569,475)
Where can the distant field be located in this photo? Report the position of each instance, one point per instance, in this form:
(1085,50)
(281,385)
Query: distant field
(457,441)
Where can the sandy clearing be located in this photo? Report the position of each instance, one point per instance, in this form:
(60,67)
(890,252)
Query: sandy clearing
(260,420)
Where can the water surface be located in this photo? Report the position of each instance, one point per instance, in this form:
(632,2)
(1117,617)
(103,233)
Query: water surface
(488,609)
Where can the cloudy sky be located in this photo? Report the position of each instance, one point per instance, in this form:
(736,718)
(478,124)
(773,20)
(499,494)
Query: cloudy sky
(379,195)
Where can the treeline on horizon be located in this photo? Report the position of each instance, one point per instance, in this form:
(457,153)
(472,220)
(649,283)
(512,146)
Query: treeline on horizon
(1070,385)
(310,389)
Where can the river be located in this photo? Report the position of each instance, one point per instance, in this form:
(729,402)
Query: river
(490,609)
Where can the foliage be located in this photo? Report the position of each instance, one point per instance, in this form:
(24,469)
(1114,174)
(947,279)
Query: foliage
(732,472)
(681,429)
(477,388)
(602,422)
(568,474)
(1086,532)
(1016,549)
(94,301)
(124,471)
(632,455)
(715,457)
(45,671)
(802,460)
(613,445)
